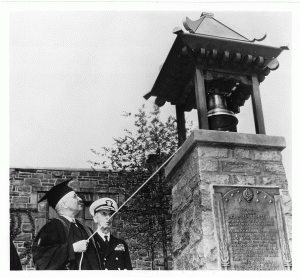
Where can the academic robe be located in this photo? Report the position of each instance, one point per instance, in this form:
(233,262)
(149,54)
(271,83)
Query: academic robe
(53,250)
(115,256)
(15,263)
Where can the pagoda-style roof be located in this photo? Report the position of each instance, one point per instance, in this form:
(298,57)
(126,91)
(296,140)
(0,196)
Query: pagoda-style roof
(222,53)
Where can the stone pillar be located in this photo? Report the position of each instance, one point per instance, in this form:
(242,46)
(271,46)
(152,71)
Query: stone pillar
(209,158)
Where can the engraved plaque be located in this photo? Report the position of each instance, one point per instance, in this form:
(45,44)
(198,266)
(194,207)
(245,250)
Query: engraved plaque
(250,228)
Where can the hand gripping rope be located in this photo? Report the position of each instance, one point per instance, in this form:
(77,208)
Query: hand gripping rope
(131,197)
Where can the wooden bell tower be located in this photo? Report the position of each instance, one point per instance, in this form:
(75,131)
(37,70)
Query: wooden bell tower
(214,69)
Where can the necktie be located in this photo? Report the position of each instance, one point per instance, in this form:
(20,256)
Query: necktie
(74,221)
(106,240)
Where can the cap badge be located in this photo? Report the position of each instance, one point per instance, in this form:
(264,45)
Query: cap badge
(109,203)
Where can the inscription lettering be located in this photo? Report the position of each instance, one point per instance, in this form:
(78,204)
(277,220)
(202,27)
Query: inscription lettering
(252,245)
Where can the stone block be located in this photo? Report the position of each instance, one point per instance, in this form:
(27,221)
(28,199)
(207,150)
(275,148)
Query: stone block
(102,189)
(20,200)
(21,250)
(47,184)
(178,264)
(182,198)
(188,215)
(205,197)
(143,264)
(75,174)
(272,168)
(286,201)
(47,176)
(23,237)
(187,194)
(248,167)
(192,260)
(210,178)
(27,194)
(267,155)
(86,189)
(217,152)
(180,243)
(12,170)
(31,206)
(32,182)
(179,226)
(26,227)
(23,261)
(272,180)
(52,181)
(209,165)
(94,174)
(23,188)
(207,223)
(36,214)
(241,153)
(17,182)
(210,248)
(196,234)
(113,189)
(41,171)
(14,193)
(88,183)
(200,253)
(24,176)
(57,174)
(244,179)
(18,206)
(75,185)
(38,175)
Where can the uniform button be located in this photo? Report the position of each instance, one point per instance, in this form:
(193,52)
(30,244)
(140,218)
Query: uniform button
(117,258)
(104,259)
(106,269)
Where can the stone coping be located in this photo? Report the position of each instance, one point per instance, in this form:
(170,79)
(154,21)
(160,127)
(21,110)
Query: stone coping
(223,138)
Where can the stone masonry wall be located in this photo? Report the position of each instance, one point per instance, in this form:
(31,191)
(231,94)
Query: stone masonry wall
(194,244)
(27,217)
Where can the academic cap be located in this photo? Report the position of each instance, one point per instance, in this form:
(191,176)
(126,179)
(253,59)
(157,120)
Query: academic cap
(56,193)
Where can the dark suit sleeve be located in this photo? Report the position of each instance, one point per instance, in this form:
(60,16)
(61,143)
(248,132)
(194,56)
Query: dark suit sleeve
(50,250)
(127,262)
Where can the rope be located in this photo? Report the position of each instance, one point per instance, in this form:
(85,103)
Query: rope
(131,197)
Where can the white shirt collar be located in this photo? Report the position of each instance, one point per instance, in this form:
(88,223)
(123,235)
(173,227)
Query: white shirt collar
(103,234)
(69,218)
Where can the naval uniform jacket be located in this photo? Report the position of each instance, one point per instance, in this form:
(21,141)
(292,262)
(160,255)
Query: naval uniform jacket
(115,256)
(53,247)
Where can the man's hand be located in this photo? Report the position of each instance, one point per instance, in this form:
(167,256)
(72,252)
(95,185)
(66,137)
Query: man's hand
(80,246)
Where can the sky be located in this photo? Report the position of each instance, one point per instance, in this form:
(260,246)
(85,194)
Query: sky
(73,71)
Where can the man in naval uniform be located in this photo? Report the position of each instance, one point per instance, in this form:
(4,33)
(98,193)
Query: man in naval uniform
(61,242)
(113,252)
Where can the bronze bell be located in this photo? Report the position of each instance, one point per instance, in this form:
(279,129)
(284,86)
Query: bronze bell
(219,117)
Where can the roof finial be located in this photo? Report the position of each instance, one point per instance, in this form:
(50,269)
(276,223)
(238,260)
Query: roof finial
(207,14)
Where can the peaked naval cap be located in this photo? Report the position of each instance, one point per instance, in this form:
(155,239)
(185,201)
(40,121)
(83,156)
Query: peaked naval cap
(56,193)
(103,203)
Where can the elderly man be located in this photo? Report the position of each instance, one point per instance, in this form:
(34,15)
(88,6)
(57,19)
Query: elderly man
(62,242)
(113,252)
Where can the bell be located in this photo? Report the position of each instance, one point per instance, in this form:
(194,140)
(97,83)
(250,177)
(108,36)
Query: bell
(219,117)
